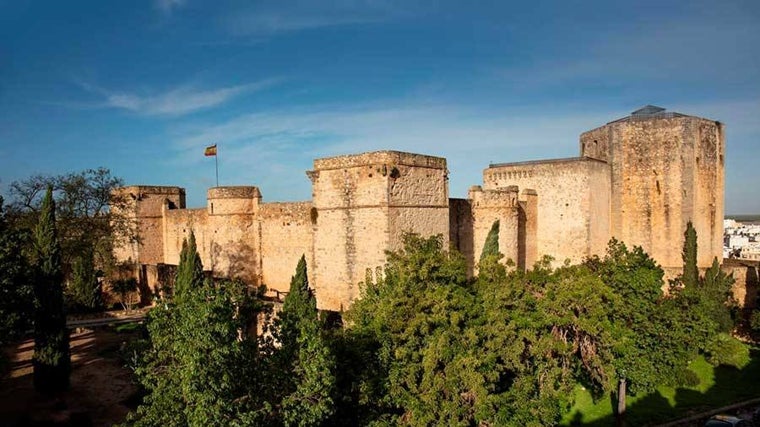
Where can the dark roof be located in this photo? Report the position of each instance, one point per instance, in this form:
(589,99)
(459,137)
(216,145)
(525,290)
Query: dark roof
(648,112)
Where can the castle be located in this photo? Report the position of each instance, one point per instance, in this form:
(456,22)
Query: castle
(638,179)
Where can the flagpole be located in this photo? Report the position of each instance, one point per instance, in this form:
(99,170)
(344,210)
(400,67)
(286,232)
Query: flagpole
(216,163)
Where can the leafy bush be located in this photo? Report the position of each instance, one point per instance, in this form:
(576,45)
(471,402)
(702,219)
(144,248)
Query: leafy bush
(754,321)
(84,290)
(727,350)
(123,287)
(683,377)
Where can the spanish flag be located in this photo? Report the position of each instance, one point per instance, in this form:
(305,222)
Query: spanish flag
(210,151)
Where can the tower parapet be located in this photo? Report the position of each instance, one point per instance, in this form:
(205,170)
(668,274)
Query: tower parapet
(233,200)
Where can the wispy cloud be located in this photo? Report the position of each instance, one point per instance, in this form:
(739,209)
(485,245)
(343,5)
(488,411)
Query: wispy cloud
(264,19)
(178,101)
(272,149)
(167,6)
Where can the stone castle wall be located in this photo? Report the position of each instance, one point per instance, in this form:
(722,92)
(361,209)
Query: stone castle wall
(461,227)
(572,206)
(746,276)
(285,234)
(639,179)
(259,243)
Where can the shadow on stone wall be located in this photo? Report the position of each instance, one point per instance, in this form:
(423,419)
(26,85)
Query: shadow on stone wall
(235,261)
(747,280)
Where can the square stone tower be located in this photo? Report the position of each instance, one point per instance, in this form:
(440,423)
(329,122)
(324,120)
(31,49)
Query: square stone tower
(666,169)
(143,206)
(362,205)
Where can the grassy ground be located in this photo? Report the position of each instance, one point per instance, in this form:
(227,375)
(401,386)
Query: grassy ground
(718,387)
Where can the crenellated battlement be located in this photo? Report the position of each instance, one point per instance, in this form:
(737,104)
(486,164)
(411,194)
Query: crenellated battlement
(234,192)
(379,158)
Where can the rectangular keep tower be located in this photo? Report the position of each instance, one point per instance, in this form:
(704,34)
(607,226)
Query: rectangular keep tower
(362,205)
(666,169)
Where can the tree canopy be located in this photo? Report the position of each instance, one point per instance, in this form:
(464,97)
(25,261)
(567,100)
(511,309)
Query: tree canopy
(427,345)
(16,293)
(88,217)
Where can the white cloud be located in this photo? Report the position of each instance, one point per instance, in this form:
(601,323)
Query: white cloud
(296,15)
(167,6)
(273,149)
(182,100)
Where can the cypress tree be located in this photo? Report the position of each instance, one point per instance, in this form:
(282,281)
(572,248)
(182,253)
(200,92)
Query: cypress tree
(491,246)
(51,360)
(717,296)
(690,270)
(299,305)
(190,269)
(304,354)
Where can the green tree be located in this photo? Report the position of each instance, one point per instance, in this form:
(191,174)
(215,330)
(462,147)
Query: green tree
(704,303)
(304,356)
(360,378)
(727,350)
(90,218)
(84,291)
(421,310)
(51,359)
(16,296)
(491,245)
(158,371)
(546,330)
(650,345)
(716,289)
(201,366)
(299,305)
(754,321)
(311,403)
(690,271)
(190,268)
(123,288)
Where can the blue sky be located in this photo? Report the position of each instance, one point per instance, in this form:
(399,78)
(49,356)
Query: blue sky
(141,87)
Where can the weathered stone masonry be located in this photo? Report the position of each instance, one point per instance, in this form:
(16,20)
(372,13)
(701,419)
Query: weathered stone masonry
(639,179)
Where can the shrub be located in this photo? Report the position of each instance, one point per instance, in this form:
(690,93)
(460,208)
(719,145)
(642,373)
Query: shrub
(123,287)
(754,321)
(683,377)
(84,290)
(727,350)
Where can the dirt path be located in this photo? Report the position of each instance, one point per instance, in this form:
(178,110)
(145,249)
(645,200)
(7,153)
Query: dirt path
(100,386)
